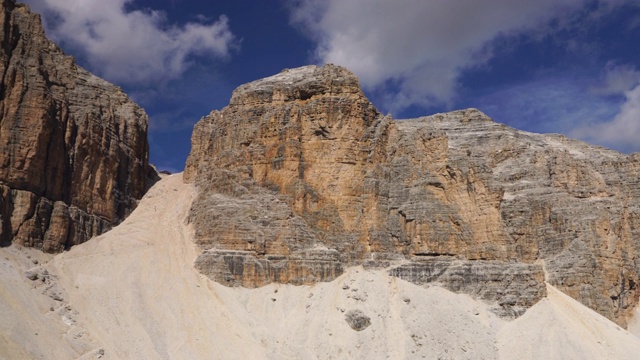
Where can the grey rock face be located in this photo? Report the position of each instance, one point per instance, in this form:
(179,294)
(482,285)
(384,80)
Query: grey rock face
(253,238)
(564,203)
(73,147)
(512,287)
(303,161)
(243,268)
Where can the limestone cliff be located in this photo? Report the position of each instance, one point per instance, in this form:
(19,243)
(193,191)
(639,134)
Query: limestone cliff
(73,147)
(300,177)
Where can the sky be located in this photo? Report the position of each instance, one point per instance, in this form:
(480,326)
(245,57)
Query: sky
(547,66)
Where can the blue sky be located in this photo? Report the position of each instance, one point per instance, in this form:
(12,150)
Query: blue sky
(560,66)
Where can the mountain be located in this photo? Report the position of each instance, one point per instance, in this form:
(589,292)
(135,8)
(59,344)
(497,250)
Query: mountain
(300,178)
(306,225)
(73,147)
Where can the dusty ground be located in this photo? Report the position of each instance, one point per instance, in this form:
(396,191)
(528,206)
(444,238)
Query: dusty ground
(133,294)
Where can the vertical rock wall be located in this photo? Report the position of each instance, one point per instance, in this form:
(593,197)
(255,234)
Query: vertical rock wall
(73,148)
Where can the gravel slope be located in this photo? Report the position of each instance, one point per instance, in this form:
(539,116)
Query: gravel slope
(133,294)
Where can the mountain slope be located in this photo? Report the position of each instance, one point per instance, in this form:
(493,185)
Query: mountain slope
(134,293)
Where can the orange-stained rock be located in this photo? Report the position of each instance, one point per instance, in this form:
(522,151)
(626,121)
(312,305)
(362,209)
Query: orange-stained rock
(302,160)
(73,148)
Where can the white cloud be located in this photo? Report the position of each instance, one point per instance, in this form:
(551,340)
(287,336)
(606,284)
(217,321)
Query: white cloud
(623,131)
(132,47)
(618,79)
(419,46)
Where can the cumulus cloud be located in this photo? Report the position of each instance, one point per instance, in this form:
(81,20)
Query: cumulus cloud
(623,130)
(420,47)
(132,47)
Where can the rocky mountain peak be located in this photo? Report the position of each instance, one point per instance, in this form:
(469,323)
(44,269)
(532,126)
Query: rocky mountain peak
(298,84)
(301,177)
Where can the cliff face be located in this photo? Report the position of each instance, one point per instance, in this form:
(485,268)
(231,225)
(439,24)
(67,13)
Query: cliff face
(300,176)
(73,147)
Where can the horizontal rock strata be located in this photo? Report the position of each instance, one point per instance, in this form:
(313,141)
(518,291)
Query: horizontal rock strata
(244,268)
(73,147)
(302,160)
(512,287)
